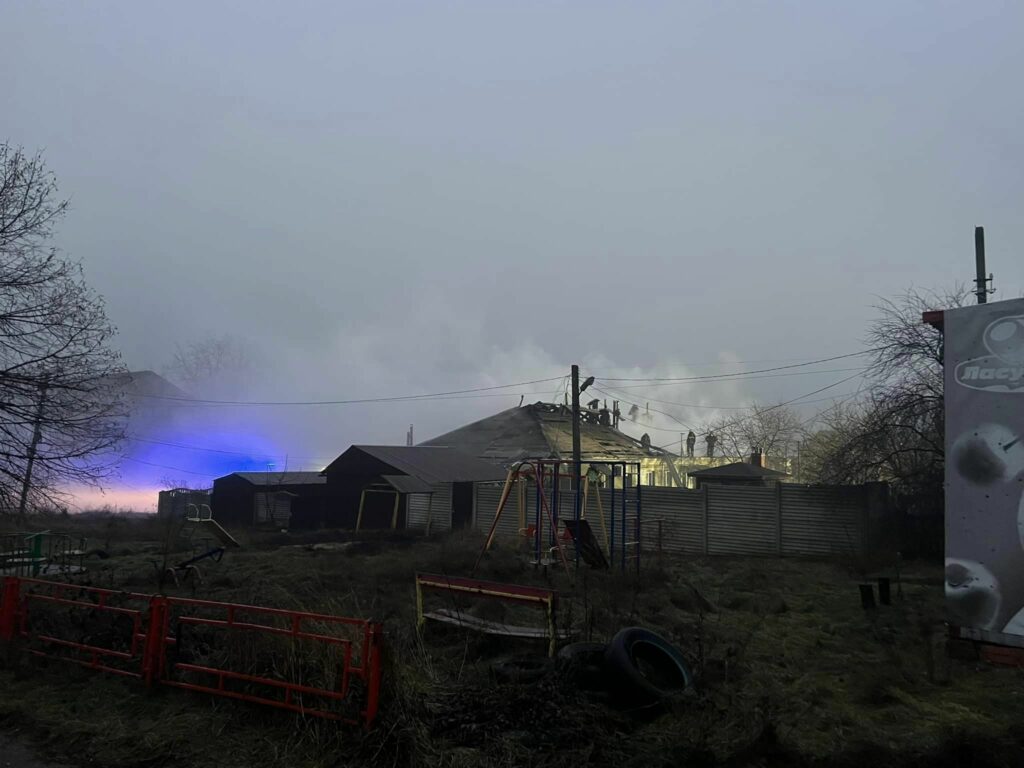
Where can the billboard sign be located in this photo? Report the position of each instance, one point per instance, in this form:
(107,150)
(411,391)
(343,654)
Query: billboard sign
(984,411)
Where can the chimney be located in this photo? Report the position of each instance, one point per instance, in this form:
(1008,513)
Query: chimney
(408,436)
(757,458)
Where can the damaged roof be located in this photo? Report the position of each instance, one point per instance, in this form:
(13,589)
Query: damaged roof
(428,464)
(541,430)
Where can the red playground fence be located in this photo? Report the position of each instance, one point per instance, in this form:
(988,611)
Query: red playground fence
(311,663)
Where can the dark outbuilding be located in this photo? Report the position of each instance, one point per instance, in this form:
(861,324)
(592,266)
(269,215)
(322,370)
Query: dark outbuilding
(370,485)
(739,473)
(270,499)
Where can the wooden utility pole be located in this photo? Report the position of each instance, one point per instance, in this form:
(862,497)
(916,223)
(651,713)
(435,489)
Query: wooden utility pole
(37,435)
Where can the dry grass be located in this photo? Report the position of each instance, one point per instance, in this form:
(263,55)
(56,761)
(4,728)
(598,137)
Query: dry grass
(793,671)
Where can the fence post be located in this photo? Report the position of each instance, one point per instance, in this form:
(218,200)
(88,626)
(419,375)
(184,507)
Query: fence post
(373,665)
(778,519)
(152,649)
(10,596)
(706,489)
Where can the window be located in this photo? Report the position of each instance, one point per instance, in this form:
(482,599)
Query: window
(650,478)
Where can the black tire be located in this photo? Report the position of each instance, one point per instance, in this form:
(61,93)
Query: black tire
(583,665)
(647,669)
(522,669)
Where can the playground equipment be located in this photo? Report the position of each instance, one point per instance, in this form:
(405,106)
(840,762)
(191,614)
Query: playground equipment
(620,531)
(515,593)
(199,518)
(41,554)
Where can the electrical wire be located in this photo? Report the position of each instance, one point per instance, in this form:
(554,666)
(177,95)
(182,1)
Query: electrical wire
(723,407)
(398,398)
(164,466)
(763,410)
(711,380)
(746,373)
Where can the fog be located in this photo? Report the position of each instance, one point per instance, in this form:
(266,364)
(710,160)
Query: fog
(396,198)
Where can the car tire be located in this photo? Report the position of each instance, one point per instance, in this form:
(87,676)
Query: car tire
(646,669)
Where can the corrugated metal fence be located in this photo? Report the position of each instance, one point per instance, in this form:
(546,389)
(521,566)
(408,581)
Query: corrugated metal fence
(435,507)
(717,520)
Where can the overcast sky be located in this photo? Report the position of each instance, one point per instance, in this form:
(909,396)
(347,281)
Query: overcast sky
(393,198)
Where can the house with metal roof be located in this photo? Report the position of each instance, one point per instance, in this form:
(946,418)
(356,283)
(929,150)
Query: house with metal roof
(544,430)
(419,487)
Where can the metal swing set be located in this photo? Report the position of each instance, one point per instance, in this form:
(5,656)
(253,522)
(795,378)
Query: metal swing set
(619,539)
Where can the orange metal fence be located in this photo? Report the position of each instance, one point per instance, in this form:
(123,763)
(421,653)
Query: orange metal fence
(314,664)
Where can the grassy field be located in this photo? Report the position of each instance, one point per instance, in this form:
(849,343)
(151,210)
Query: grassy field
(792,670)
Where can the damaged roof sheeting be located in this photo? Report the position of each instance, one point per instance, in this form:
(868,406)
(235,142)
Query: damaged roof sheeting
(542,430)
(427,464)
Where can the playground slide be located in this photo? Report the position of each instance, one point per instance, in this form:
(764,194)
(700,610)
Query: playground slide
(223,536)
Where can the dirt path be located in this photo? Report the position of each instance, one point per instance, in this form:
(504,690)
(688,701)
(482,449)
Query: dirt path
(16,753)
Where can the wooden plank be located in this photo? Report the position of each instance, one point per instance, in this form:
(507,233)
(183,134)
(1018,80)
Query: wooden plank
(479,586)
(452,616)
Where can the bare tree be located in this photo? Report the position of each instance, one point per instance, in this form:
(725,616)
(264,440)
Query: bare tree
(213,367)
(61,416)
(895,433)
(772,429)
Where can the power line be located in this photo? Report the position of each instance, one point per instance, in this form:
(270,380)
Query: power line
(164,466)
(663,413)
(737,377)
(354,401)
(746,373)
(725,407)
(761,411)
(185,446)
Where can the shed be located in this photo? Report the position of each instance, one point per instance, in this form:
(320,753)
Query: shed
(272,499)
(737,473)
(391,486)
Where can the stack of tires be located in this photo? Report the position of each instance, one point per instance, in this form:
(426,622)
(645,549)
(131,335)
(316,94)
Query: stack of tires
(638,668)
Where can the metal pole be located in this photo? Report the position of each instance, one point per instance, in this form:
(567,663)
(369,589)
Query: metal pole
(639,505)
(538,475)
(623,544)
(611,518)
(979,264)
(576,461)
(556,504)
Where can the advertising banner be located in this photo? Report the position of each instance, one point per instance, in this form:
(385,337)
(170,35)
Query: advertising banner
(984,409)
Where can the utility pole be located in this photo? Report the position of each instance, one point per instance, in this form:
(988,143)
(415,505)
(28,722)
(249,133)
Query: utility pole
(37,435)
(577,463)
(979,264)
